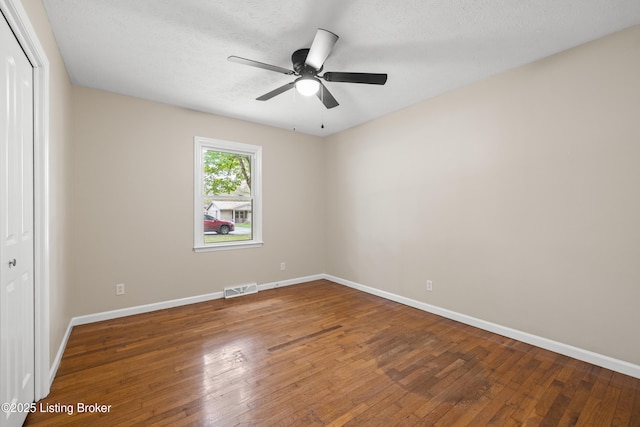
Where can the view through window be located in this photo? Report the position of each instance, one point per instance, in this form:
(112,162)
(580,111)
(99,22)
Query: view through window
(226,180)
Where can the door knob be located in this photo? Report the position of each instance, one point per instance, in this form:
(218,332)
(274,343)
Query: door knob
(12,263)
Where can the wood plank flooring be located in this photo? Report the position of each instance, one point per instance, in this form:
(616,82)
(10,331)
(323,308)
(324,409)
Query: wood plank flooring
(321,354)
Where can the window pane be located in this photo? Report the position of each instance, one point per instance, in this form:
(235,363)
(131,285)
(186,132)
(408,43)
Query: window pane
(227,220)
(227,199)
(226,174)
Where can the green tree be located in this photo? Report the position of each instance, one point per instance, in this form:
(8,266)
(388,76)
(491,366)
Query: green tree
(226,173)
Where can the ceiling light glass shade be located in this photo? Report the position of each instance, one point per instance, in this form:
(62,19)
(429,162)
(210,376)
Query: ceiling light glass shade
(307,86)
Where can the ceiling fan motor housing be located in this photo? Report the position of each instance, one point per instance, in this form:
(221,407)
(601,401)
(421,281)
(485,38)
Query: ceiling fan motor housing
(298,59)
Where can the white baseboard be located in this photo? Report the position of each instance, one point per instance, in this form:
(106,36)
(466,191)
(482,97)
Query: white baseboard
(114,314)
(290,282)
(139,309)
(555,346)
(56,362)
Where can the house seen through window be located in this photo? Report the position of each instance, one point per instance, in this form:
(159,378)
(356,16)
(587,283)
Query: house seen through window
(227,185)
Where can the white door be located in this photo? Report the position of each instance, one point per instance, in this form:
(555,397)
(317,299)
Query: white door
(16,230)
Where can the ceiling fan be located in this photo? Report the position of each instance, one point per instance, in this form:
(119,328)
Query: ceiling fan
(307,65)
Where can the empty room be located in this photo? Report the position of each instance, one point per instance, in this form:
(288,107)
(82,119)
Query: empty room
(221,213)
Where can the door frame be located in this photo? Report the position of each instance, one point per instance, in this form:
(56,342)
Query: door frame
(21,26)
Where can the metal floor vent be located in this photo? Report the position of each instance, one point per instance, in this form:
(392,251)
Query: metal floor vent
(236,291)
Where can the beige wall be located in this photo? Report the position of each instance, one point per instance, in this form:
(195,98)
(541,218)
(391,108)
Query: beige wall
(518,196)
(132,207)
(59,181)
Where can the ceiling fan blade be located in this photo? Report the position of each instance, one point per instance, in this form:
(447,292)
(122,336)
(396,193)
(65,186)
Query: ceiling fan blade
(262,65)
(325,96)
(366,78)
(320,48)
(275,92)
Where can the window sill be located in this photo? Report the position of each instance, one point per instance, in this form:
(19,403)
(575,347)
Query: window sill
(228,246)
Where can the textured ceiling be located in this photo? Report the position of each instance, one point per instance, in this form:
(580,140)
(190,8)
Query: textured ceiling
(176,52)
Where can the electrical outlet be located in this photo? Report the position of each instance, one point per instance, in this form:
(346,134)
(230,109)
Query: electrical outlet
(120,289)
(429,285)
(283,266)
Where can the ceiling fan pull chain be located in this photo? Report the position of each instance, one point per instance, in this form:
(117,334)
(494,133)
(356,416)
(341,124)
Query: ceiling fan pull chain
(295,98)
(322,111)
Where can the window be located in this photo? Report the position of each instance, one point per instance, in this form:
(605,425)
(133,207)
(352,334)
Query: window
(227,200)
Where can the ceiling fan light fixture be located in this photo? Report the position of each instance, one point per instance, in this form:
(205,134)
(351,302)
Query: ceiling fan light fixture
(307,86)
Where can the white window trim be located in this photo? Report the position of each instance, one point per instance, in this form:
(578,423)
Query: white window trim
(255,152)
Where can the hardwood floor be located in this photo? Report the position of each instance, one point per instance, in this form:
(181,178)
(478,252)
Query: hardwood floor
(322,354)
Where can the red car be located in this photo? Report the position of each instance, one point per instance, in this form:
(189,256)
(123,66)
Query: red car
(217,225)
